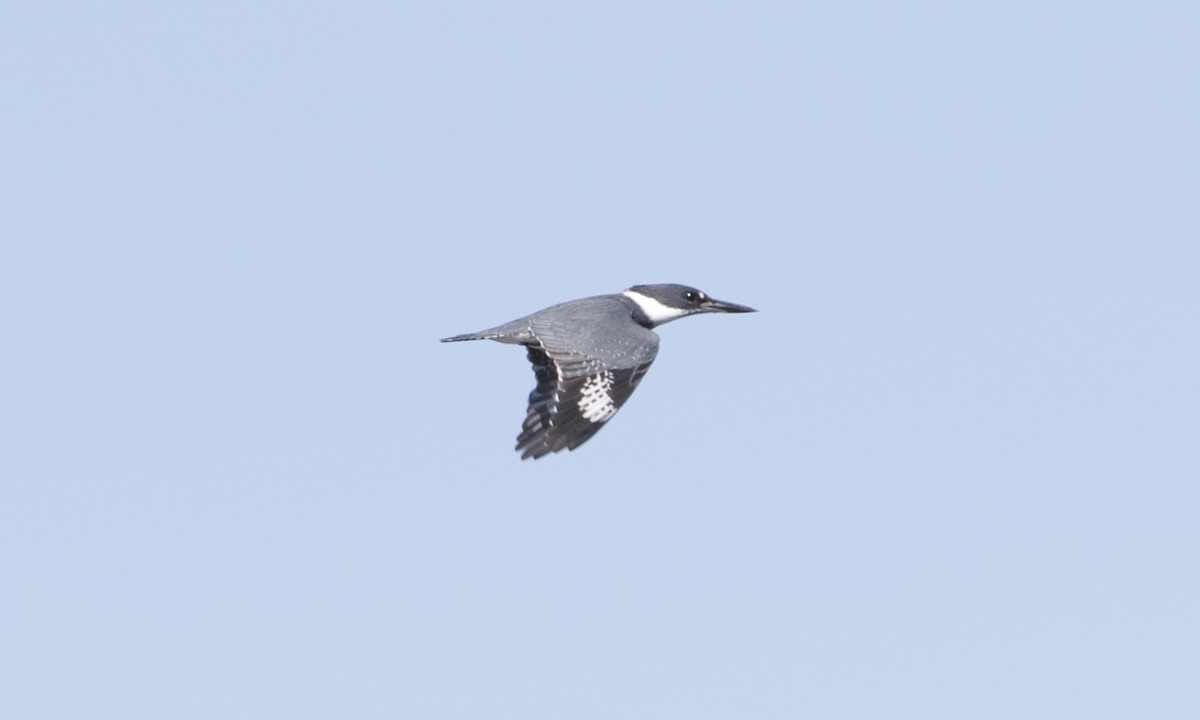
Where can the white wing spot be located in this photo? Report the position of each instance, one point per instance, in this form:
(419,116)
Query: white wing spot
(595,402)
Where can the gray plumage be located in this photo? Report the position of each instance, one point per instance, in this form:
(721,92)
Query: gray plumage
(589,355)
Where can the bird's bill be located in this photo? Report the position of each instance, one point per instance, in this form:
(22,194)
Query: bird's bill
(714,305)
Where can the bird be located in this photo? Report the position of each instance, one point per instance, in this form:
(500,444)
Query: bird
(589,355)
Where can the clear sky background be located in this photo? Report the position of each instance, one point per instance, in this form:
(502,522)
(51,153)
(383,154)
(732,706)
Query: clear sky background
(950,470)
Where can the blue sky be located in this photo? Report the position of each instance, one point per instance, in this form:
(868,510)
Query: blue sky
(949,470)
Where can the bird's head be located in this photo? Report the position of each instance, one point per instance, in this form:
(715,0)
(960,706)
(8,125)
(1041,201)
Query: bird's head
(667,302)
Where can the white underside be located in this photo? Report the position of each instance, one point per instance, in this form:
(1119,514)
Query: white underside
(656,311)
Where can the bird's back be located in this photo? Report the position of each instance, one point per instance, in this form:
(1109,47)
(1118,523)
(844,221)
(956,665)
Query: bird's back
(598,322)
(600,327)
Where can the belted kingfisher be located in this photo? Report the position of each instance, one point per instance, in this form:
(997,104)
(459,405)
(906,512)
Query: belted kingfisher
(588,355)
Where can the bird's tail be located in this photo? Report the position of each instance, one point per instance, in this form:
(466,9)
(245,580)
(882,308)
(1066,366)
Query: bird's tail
(516,331)
(468,336)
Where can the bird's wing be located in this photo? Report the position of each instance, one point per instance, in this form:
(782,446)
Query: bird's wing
(578,392)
